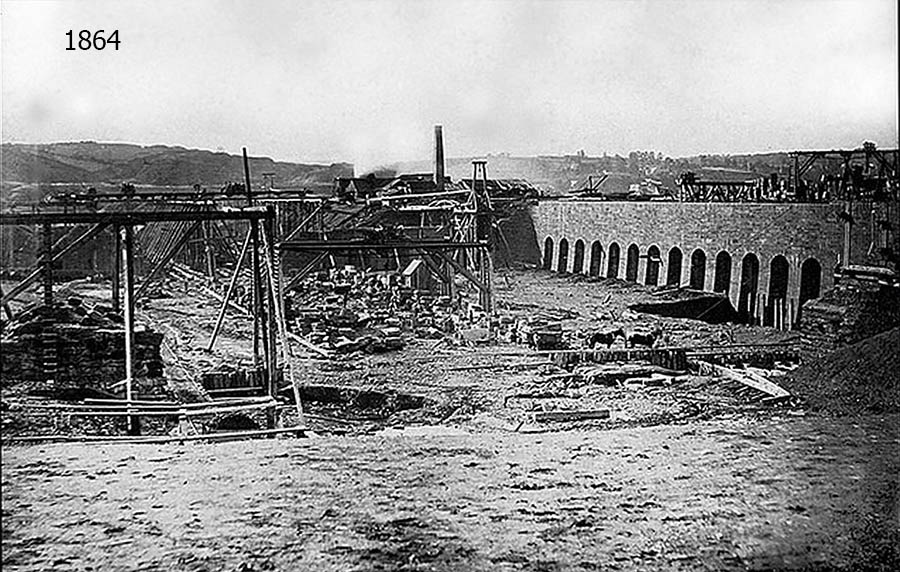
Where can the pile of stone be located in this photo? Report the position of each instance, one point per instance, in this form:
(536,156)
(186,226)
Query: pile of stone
(850,312)
(74,345)
(348,310)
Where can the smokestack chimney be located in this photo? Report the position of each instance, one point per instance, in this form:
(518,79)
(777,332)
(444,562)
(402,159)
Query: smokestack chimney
(438,157)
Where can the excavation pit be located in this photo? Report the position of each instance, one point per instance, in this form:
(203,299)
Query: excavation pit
(352,403)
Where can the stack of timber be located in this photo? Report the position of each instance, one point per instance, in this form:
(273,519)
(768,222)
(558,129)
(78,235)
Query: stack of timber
(89,346)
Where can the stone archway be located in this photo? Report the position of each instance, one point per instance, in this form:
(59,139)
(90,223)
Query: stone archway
(779,275)
(612,270)
(673,272)
(548,253)
(632,260)
(596,258)
(651,277)
(810,280)
(722,279)
(749,286)
(698,270)
(578,260)
(563,255)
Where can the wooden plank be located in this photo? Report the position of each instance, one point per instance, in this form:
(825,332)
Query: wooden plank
(309,345)
(580,415)
(750,379)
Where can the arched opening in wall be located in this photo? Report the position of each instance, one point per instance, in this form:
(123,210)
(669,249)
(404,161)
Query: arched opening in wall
(578,261)
(548,253)
(633,257)
(810,282)
(779,271)
(722,279)
(596,258)
(563,255)
(673,274)
(749,287)
(653,262)
(612,269)
(698,269)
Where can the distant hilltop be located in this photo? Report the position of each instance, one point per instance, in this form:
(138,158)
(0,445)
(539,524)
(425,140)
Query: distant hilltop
(91,163)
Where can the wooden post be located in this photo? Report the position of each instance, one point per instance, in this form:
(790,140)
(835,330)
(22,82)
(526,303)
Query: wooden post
(117,268)
(208,252)
(275,280)
(848,230)
(254,233)
(269,245)
(128,259)
(47,261)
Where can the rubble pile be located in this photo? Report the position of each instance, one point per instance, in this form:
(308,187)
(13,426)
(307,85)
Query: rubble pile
(858,379)
(74,345)
(348,310)
(851,311)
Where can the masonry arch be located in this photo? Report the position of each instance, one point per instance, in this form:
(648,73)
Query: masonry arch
(749,286)
(596,258)
(612,270)
(810,280)
(698,269)
(548,253)
(779,274)
(722,277)
(779,271)
(673,273)
(563,255)
(578,260)
(651,277)
(632,259)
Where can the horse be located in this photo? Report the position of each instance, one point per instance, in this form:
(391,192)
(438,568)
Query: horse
(607,337)
(645,338)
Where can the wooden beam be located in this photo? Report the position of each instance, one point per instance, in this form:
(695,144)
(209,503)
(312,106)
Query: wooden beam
(582,415)
(128,258)
(278,296)
(234,276)
(750,379)
(173,251)
(462,270)
(305,271)
(28,280)
(129,217)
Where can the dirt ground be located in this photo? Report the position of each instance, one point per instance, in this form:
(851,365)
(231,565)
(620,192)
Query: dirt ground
(691,475)
(734,494)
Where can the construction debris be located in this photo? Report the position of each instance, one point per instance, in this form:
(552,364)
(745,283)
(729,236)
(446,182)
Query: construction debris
(348,310)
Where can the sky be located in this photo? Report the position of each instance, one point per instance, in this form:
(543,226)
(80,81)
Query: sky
(366,81)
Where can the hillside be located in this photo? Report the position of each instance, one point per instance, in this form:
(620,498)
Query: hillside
(114,163)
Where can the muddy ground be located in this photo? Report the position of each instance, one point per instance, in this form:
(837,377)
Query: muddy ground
(691,475)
